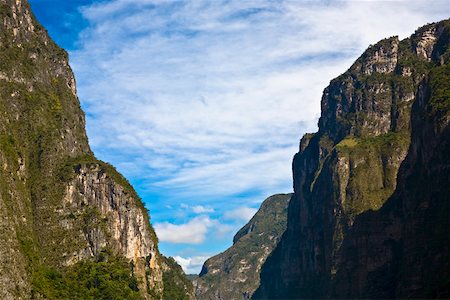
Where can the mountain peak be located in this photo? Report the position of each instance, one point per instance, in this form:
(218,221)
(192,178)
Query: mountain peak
(234,274)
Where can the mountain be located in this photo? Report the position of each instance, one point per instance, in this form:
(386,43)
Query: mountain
(234,274)
(370,214)
(71,227)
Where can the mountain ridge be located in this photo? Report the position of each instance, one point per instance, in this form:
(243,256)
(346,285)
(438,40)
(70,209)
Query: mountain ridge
(65,216)
(234,273)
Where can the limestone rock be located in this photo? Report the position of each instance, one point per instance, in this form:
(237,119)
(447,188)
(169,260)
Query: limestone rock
(364,183)
(59,205)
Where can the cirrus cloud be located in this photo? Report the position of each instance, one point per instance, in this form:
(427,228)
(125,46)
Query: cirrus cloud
(200,209)
(203,102)
(205,94)
(240,214)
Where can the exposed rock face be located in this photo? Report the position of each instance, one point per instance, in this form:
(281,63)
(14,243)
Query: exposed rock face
(234,274)
(103,214)
(129,233)
(58,204)
(383,59)
(343,238)
(403,249)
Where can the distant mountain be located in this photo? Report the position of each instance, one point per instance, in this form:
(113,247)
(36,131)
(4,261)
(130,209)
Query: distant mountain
(234,274)
(370,215)
(71,227)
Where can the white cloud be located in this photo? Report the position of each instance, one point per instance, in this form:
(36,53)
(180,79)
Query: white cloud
(191,265)
(240,214)
(196,209)
(212,96)
(203,101)
(200,209)
(192,232)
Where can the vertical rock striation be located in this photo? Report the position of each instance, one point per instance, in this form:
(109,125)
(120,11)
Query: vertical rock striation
(59,205)
(99,213)
(347,171)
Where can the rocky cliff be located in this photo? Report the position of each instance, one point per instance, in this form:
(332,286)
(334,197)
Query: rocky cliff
(403,249)
(371,192)
(65,217)
(234,274)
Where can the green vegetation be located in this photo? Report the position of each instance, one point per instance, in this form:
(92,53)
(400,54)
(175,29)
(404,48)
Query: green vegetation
(175,282)
(347,143)
(373,166)
(7,146)
(408,59)
(104,279)
(383,142)
(440,91)
(5,11)
(43,146)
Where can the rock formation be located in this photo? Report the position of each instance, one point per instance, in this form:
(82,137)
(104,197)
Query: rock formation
(59,206)
(369,215)
(234,274)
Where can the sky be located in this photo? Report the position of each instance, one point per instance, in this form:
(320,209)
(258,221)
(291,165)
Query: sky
(201,103)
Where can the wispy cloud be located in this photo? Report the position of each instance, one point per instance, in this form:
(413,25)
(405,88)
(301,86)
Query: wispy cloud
(202,92)
(240,214)
(200,209)
(205,101)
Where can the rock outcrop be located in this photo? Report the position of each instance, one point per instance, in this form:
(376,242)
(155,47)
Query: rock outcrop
(371,193)
(59,205)
(234,274)
(104,212)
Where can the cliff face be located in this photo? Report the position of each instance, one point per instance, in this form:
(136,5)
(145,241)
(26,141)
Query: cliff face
(403,249)
(348,170)
(58,204)
(100,211)
(234,274)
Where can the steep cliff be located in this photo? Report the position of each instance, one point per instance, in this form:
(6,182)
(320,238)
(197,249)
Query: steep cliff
(234,274)
(403,249)
(62,212)
(350,167)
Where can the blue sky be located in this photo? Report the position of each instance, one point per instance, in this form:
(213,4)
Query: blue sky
(201,104)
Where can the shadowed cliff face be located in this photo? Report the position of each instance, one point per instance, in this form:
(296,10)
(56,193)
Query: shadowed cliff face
(402,250)
(350,167)
(234,274)
(58,204)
